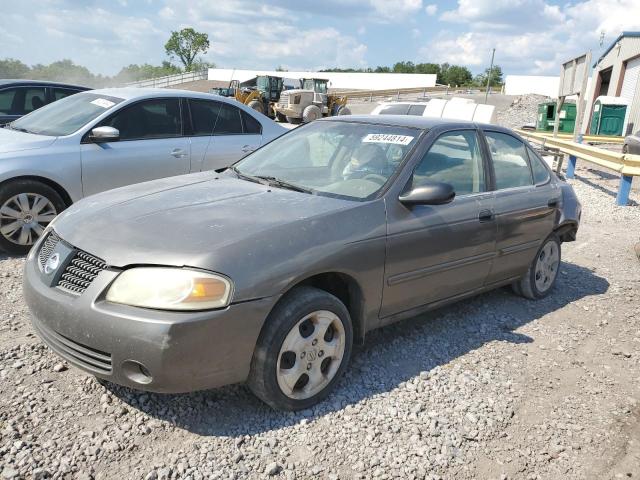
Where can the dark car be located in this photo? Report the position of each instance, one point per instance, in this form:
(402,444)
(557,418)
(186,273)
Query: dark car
(267,272)
(632,144)
(19,97)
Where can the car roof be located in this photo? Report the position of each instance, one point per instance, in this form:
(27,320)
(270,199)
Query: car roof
(4,82)
(129,93)
(412,121)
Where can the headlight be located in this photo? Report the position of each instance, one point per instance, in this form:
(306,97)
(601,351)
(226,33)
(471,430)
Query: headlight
(170,289)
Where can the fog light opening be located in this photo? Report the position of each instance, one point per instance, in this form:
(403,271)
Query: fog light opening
(136,372)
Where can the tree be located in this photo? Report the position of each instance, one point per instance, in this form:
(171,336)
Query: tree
(432,68)
(186,45)
(495,79)
(12,68)
(404,67)
(455,75)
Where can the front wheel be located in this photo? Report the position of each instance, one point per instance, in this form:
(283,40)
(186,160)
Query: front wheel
(302,351)
(543,271)
(26,208)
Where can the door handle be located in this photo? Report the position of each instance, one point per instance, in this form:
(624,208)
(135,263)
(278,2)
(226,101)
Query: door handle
(486,215)
(553,203)
(247,149)
(178,153)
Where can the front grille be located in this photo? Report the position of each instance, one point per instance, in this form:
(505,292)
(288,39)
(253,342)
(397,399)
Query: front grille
(76,353)
(47,248)
(80,272)
(284,101)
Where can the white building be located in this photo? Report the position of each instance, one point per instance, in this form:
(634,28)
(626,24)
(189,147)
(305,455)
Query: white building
(531,84)
(350,81)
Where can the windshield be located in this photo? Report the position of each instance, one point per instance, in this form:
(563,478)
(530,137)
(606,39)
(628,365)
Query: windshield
(344,159)
(67,115)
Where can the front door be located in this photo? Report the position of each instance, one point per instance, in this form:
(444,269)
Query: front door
(525,205)
(151,146)
(435,252)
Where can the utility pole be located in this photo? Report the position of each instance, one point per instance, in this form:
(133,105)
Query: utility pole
(486,95)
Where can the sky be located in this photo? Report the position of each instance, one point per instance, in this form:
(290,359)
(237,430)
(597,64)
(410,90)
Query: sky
(530,36)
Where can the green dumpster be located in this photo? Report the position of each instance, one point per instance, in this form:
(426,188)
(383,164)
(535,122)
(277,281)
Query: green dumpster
(547,117)
(609,114)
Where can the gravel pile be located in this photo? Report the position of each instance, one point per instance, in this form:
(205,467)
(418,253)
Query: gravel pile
(496,387)
(523,111)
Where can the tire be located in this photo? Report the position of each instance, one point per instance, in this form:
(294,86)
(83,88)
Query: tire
(256,105)
(311,113)
(625,148)
(280,117)
(541,275)
(18,200)
(277,375)
(344,111)
(293,120)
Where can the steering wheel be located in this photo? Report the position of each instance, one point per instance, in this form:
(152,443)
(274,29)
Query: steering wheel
(373,177)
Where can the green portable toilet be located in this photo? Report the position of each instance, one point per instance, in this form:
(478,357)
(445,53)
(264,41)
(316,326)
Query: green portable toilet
(609,115)
(547,117)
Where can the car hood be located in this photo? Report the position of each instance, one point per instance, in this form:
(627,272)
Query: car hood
(200,220)
(14,141)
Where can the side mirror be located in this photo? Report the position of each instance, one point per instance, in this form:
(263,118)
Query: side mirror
(104,134)
(432,193)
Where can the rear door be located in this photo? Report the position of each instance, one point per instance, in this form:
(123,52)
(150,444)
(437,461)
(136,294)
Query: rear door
(525,204)
(435,252)
(235,135)
(151,146)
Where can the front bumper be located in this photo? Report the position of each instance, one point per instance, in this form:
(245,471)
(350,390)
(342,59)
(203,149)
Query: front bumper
(179,351)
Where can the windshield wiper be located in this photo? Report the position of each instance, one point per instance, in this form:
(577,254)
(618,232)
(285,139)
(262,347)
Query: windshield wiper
(276,182)
(18,129)
(244,176)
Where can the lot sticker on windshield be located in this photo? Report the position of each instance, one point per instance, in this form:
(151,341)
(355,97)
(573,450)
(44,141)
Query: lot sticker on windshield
(103,102)
(386,138)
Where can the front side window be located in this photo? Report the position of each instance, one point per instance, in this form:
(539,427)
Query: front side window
(229,121)
(251,126)
(67,115)
(331,158)
(149,119)
(21,100)
(510,161)
(455,159)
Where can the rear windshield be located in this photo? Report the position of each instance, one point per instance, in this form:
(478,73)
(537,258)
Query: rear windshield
(67,115)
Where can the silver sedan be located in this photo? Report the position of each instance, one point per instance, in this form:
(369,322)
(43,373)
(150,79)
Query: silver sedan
(103,139)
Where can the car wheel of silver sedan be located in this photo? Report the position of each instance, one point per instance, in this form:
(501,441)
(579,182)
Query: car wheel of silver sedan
(26,208)
(543,271)
(303,349)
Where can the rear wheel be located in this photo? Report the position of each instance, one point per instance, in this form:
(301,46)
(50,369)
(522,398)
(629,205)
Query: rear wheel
(26,208)
(344,110)
(302,351)
(543,271)
(281,117)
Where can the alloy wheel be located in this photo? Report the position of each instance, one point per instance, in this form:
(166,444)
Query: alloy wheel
(547,266)
(24,217)
(311,355)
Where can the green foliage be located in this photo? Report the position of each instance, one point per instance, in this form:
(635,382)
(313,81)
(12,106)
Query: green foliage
(455,75)
(186,45)
(134,73)
(12,68)
(495,79)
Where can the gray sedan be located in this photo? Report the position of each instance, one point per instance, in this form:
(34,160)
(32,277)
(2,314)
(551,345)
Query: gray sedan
(103,139)
(268,272)
(632,144)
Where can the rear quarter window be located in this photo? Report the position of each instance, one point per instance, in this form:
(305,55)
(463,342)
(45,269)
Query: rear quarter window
(540,171)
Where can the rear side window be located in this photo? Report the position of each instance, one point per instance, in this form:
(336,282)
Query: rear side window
(510,161)
(204,114)
(455,159)
(394,110)
(540,172)
(59,93)
(229,121)
(417,110)
(158,118)
(251,125)
(6,100)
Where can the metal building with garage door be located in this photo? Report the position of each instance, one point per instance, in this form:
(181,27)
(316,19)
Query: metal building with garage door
(617,74)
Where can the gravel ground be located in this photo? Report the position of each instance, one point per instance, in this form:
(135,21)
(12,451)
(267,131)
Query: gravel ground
(496,387)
